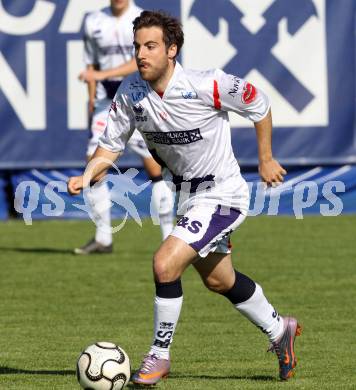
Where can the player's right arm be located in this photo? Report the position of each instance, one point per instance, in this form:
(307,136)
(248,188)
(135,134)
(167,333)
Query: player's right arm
(101,160)
(120,126)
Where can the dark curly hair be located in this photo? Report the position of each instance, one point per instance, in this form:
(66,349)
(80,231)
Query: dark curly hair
(171,27)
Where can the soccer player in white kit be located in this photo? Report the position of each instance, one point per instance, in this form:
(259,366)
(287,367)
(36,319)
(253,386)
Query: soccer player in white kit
(187,128)
(108,40)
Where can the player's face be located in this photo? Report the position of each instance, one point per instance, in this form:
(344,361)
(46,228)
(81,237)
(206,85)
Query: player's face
(152,57)
(119,6)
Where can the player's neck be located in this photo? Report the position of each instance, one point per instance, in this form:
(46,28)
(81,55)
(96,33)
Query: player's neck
(118,13)
(161,84)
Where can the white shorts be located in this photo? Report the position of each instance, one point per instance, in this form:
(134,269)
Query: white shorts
(207,228)
(98,124)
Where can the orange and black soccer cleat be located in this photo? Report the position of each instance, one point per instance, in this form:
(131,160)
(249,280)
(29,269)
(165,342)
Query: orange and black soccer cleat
(284,348)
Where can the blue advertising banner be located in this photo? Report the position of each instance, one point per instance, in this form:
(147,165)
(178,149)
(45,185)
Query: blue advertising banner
(301,53)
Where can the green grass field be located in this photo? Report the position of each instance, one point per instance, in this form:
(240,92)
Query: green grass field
(53,304)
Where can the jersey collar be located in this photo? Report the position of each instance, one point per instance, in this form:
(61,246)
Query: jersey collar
(178,70)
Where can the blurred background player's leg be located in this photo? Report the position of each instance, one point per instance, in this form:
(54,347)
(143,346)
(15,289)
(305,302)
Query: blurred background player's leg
(162,197)
(99,195)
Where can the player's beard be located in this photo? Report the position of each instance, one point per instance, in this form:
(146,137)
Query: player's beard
(152,73)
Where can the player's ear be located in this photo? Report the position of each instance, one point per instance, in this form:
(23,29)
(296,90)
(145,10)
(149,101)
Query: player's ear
(172,51)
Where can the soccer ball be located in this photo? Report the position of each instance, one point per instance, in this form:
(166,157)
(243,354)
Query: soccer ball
(103,366)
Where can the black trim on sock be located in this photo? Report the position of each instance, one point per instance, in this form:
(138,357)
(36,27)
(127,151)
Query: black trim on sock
(156,179)
(242,290)
(169,289)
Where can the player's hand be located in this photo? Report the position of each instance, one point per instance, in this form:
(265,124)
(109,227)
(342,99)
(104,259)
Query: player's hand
(271,172)
(75,185)
(85,76)
(89,75)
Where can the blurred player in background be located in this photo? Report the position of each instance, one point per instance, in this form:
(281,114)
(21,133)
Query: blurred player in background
(109,48)
(218,199)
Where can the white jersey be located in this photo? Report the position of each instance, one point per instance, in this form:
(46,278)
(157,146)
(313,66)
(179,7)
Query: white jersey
(188,129)
(108,42)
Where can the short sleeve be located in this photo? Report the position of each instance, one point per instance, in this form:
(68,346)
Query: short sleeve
(120,126)
(231,93)
(89,44)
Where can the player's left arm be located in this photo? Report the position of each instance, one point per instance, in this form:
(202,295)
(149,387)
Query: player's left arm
(119,71)
(231,93)
(270,170)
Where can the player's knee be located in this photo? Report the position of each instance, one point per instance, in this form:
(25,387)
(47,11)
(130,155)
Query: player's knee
(163,269)
(216,285)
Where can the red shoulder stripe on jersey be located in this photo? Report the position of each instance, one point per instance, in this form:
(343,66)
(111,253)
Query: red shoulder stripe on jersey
(217,102)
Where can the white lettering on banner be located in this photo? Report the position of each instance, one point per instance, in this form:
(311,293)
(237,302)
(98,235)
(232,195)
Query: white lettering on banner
(305,195)
(258,200)
(32,190)
(77,96)
(54,198)
(335,201)
(30,105)
(275,197)
(36,20)
(75,12)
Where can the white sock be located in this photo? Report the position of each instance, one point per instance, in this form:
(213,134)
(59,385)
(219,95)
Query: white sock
(166,224)
(166,315)
(162,199)
(99,199)
(259,311)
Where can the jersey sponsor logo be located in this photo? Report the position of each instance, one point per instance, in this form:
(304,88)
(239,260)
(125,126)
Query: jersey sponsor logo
(193,226)
(138,91)
(163,115)
(137,96)
(138,109)
(235,86)
(135,85)
(189,94)
(249,94)
(140,118)
(174,137)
